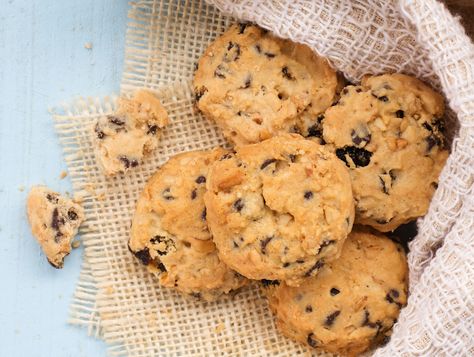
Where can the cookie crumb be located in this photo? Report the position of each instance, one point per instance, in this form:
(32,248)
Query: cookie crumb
(21,188)
(76,244)
(62,175)
(219,328)
(88,45)
(109,290)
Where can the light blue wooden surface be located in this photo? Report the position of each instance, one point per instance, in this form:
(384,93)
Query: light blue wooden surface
(42,63)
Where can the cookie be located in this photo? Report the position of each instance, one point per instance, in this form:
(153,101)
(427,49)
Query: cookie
(169,231)
(255,85)
(123,139)
(389,133)
(352,304)
(280,208)
(54,221)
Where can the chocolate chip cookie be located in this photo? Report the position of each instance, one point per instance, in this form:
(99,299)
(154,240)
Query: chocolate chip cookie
(169,231)
(279,209)
(255,85)
(54,221)
(123,139)
(352,303)
(389,133)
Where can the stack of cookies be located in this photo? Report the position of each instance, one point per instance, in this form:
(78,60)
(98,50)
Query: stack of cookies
(317,170)
(310,159)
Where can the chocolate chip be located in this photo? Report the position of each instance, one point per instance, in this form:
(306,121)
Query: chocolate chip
(292,157)
(116,120)
(220,71)
(300,261)
(143,255)
(264,243)
(152,129)
(366,321)
(233,52)
(266,282)
(312,341)
(331,318)
(165,244)
(269,55)
(439,124)
(72,215)
(204,214)
(286,265)
(59,266)
(52,198)
(287,74)
(385,340)
(196,66)
(267,162)
(166,194)
(226,156)
(384,187)
(238,205)
(316,130)
(383,98)
(318,265)
(199,93)
(235,244)
(400,114)
(360,157)
(345,91)
(196,295)
(308,308)
(161,266)
(242,27)
(324,244)
(358,90)
(334,291)
(395,293)
(201,179)
(432,141)
(382,221)
(308,195)
(127,163)
(361,135)
(435,185)
(99,132)
(258,48)
(56,220)
(391,297)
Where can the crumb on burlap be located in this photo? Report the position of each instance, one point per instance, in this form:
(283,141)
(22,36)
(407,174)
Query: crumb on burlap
(219,328)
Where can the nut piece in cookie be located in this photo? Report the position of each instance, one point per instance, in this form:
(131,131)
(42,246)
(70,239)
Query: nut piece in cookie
(255,85)
(279,209)
(169,230)
(352,304)
(389,132)
(54,221)
(124,138)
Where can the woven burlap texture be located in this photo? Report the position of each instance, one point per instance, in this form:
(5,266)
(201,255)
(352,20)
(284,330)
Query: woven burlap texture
(117,300)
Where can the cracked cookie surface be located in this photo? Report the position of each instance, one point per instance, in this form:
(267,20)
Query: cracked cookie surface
(169,230)
(255,85)
(389,132)
(280,208)
(54,221)
(352,304)
(124,138)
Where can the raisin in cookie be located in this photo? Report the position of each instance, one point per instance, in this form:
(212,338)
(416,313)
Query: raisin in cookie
(169,230)
(389,132)
(352,303)
(280,208)
(123,139)
(54,221)
(254,85)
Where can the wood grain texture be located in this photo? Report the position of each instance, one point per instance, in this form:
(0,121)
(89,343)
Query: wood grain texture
(42,63)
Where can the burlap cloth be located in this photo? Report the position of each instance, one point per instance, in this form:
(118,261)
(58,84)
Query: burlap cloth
(118,301)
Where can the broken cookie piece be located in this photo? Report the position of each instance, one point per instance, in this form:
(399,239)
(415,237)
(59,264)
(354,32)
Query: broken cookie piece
(124,138)
(54,221)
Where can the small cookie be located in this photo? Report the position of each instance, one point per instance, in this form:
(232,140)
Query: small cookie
(255,85)
(280,208)
(123,139)
(54,221)
(352,304)
(389,132)
(169,231)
